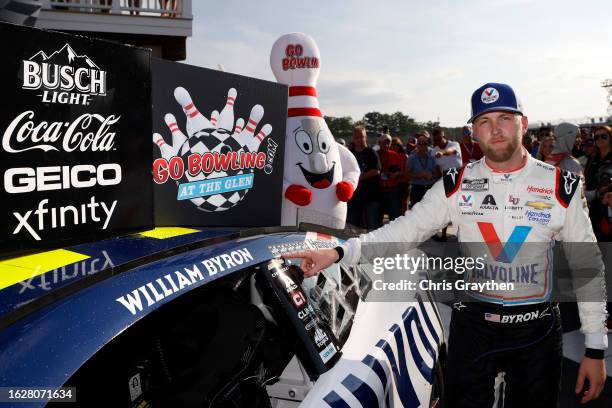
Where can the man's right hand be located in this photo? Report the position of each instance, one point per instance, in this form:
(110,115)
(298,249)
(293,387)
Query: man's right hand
(314,262)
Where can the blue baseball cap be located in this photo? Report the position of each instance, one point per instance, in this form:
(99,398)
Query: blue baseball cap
(494,97)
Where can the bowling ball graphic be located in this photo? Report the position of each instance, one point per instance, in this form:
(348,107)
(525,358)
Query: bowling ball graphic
(203,142)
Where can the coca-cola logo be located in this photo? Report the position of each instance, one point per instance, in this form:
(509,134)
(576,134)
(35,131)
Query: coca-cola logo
(88,132)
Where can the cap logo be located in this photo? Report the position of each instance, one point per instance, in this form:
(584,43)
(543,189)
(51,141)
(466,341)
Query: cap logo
(489,95)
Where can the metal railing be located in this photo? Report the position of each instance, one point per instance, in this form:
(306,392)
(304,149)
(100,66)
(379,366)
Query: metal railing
(150,8)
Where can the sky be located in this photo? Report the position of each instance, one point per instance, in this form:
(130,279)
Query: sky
(423,58)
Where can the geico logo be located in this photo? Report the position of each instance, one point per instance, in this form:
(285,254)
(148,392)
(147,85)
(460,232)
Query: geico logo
(27,179)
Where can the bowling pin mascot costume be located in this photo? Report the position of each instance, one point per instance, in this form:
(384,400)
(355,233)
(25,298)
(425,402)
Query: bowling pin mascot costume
(320,175)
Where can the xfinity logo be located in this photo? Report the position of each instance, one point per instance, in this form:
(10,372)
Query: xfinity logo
(64,76)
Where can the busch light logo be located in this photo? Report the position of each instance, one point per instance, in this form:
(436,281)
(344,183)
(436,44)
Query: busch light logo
(489,95)
(213,163)
(64,76)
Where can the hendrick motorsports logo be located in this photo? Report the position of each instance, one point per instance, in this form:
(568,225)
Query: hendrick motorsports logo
(64,76)
(213,164)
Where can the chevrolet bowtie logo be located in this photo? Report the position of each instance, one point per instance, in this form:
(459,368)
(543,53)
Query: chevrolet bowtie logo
(539,205)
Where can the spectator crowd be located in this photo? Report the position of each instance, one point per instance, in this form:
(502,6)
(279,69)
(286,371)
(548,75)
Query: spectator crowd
(396,175)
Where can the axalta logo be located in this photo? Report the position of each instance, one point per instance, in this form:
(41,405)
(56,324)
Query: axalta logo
(489,95)
(539,190)
(64,76)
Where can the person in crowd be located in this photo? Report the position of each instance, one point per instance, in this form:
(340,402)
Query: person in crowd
(564,141)
(448,155)
(411,144)
(598,175)
(403,186)
(422,169)
(589,150)
(470,150)
(364,207)
(392,171)
(547,144)
(446,152)
(529,145)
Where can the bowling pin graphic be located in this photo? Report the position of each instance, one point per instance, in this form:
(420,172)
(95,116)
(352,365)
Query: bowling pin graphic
(214,118)
(254,143)
(316,184)
(226,117)
(239,126)
(166,151)
(195,120)
(248,132)
(178,137)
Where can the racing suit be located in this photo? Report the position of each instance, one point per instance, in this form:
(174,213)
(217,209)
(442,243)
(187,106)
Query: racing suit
(515,217)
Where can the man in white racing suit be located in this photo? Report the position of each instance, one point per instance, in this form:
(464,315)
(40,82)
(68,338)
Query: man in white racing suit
(515,207)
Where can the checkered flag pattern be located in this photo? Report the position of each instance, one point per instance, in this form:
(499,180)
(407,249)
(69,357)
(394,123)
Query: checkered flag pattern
(23,12)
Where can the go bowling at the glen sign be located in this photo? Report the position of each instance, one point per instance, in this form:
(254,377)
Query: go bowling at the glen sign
(77,157)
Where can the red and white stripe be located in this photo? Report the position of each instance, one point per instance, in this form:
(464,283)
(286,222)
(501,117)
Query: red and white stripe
(303,101)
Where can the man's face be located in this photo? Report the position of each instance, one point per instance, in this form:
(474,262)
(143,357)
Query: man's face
(359,138)
(439,139)
(384,144)
(499,134)
(422,143)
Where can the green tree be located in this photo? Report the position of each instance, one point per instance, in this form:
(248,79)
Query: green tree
(340,127)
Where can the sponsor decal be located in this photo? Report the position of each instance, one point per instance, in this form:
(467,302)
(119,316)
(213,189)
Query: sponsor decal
(327,353)
(513,200)
(539,205)
(466,201)
(473,213)
(525,317)
(155,291)
(45,217)
(568,181)
(298,299)
(452,172)
(539,190)
(503,253)
(475,184)
(489,203)
(394,355)
(545,166)
(539,217)
(489,95)
(502,179)
(320,338)
(521,274)
(64,77)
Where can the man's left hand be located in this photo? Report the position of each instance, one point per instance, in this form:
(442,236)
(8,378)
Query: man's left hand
(595,371)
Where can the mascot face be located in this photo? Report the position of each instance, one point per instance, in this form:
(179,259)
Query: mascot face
(315,157)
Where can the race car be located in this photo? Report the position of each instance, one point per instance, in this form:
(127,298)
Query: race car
(189,317)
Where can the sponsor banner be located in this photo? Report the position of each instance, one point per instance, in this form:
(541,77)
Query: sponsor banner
(75,129)
(219,142)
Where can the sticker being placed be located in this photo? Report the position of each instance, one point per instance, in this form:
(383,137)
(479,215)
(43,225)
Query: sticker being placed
(213,163)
